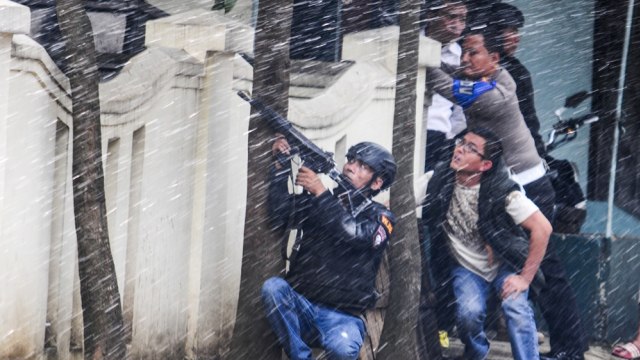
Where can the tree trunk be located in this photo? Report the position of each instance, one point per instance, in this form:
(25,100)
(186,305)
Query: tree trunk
(252,335)
(101,309)
(398,339)
(428,337)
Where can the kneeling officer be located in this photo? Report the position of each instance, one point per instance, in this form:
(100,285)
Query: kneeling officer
(338,250)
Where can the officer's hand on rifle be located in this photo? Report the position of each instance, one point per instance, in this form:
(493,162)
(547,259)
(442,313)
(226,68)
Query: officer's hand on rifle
(310,181)
(280,146)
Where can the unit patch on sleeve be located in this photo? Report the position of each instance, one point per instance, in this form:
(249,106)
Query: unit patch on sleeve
(387,224)
(379,237)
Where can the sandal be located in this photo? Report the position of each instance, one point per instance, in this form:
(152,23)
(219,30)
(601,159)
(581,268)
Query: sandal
(627,351)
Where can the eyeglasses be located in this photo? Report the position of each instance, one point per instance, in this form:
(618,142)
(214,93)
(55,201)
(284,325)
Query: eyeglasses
(468,147)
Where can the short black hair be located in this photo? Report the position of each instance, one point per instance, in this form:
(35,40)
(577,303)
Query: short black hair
(492,144)
(506,15)
(492,35)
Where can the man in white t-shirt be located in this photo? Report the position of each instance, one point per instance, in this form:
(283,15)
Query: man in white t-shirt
(486,235)
(445,22)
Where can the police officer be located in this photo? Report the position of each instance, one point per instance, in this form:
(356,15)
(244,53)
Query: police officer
(331,279)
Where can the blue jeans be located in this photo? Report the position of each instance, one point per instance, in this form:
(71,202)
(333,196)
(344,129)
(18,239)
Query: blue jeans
(471,292)
(300,324)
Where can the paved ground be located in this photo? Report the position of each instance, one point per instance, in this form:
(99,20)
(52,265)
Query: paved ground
(501,350)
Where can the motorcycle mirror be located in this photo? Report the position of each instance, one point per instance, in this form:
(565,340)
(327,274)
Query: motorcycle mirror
(576,99)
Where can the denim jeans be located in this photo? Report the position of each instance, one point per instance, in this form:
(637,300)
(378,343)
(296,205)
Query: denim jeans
(471,292)
(299,324)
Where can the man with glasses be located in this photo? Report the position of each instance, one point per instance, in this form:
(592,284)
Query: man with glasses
(486,235)
(487,94)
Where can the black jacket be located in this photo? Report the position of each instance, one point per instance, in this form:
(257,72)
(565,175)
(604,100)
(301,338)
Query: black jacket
(339,252)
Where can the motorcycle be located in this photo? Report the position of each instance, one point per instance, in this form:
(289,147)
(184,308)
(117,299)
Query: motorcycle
(571,204)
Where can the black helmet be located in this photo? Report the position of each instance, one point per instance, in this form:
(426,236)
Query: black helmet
(506,15)
(378,158)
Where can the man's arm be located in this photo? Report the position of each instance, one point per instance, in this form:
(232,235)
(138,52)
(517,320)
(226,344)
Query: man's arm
(524,91)
(441,82)
(540,229)
(469,94)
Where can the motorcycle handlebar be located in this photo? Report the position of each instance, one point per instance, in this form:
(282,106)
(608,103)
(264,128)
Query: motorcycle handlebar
(569,129)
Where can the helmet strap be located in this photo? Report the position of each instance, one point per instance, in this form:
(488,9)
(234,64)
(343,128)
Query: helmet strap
(366,190)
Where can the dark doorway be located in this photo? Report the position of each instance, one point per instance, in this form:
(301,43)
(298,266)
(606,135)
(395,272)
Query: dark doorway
(609,31)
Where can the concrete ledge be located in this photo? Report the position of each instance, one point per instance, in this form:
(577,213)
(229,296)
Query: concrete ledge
(144,77)
(325,114)
(381,46)
(378,45)
(14,18)
(25,50)
(199,31)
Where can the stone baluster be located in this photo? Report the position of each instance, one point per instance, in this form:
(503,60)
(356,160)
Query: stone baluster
(14,19)
(17,340)
(218,212)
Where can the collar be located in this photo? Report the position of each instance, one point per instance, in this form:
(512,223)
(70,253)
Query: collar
(354,201)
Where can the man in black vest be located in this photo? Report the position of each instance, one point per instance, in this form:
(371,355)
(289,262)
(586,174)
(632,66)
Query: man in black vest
(489,100)
(342,237)
(487,93)
(476,218)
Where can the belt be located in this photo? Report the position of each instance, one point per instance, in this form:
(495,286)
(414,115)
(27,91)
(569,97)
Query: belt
(530,175)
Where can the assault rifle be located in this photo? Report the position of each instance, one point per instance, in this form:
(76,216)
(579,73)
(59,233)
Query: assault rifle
(312,156)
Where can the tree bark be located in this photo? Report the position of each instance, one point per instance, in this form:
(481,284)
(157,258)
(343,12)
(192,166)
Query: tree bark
(428,337)
(398,339)
(101,308)
(252,335)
